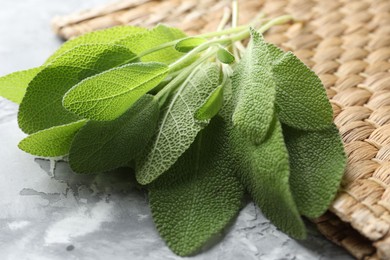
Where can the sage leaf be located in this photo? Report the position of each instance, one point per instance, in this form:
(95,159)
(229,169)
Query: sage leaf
(265,174)
(177,127)
(254,87)
(211,106)
(199,195)
(150,39)
(300,95)
(103,146)
(41,107)
(188,44)
(225,56)
(317,161)
(105,36)
(13,86)
(51,142)
(108,95)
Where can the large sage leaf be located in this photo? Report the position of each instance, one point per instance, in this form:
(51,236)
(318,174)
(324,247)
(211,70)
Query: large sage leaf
(199,195)
(108,95)
(178,127)
(41,107)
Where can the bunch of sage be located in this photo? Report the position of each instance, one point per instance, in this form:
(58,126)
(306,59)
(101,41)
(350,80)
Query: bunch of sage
(199,127)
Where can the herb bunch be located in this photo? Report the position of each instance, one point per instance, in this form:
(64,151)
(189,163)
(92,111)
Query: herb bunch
(200,126)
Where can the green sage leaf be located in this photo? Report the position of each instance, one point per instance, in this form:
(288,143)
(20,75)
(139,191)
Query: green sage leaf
(188,44)
(300,95)
(41,107)
(103,146)
(225,56)
(108,95)
(13,86)
(254,87)
(199,195)
(177,127)
(211,106)
(317,161)
(51,142)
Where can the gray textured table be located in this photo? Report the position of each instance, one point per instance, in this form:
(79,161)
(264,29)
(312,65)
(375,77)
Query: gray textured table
(47,212)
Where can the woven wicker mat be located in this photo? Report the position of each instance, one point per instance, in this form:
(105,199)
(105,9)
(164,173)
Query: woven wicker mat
(347,43)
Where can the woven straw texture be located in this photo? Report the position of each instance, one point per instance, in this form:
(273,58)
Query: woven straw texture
(347,43)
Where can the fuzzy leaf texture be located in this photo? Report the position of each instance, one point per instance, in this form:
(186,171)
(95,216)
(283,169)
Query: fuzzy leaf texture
(199,195)
(13,86)
(177,126)
(105,36)
(152,38)
(300,95)
(254,89)
(317,161)
(51,142)
(41,107)
(103,146)
(108,95)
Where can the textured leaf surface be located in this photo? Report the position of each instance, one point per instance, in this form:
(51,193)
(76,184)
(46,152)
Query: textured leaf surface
(108,95)
(275,52)
(51,142)
(199,195)
(158,35)
(13,86)
(300,95)
(254,88)
(211,106)
(102,146)
(42,107)
(265,173)
(177,127)
(225,56)
(110,35)
(317,162)
(189,44)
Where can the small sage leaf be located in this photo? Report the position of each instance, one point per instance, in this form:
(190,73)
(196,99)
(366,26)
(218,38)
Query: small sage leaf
(211,106)
(225,56)
(189,44)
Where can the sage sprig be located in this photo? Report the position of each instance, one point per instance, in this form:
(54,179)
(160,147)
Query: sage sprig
(199,125)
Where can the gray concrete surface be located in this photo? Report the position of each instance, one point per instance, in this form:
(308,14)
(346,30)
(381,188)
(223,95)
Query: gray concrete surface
(47,212)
